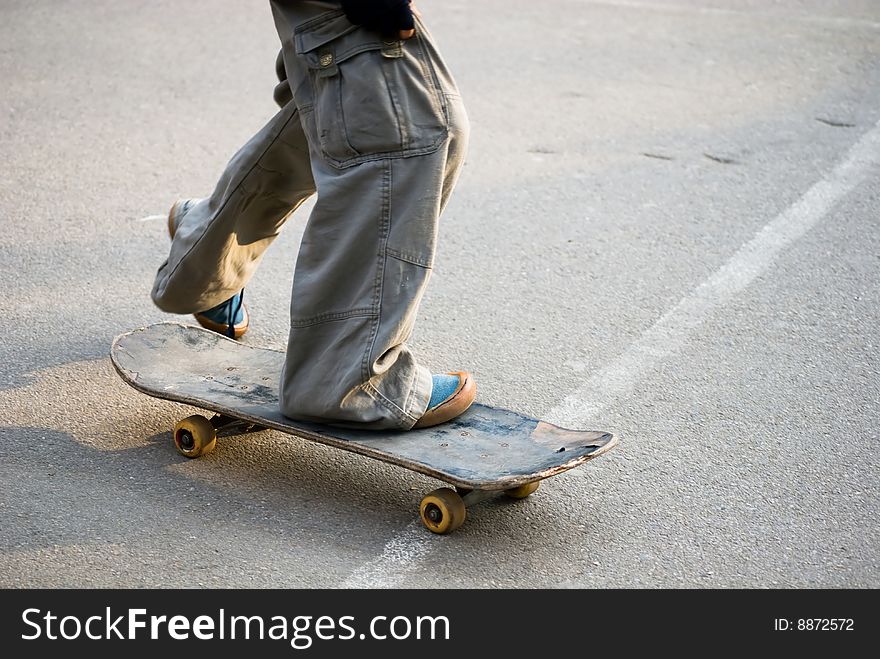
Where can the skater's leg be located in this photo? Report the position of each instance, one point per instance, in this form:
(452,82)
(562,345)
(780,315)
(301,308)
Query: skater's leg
(219,241)
(387,131)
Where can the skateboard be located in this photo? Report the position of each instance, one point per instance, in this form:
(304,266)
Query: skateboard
(485,452)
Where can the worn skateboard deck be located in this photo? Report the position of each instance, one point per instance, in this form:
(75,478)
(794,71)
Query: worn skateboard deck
(485,449)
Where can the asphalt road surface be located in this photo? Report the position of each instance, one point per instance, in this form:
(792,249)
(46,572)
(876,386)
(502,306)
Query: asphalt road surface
(667,227)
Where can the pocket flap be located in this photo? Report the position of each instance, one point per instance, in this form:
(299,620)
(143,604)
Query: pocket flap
(330,40)
(315,34)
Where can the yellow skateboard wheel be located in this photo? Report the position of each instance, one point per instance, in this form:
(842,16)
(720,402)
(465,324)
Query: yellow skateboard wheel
(194,436)
(522,491)
(442,511)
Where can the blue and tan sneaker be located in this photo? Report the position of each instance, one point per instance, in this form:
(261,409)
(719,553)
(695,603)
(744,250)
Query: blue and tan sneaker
(229,318)
(452,394)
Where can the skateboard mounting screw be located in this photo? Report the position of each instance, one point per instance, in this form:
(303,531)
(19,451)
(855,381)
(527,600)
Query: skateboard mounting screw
(433,513)
(186,441)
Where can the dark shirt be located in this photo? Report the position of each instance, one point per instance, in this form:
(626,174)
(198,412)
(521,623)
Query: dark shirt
(386,16)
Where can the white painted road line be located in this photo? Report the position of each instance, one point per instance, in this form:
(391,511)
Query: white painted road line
(393,564)
(582,407)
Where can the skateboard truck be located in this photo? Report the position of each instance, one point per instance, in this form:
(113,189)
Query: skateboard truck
(195,435)
(444,510)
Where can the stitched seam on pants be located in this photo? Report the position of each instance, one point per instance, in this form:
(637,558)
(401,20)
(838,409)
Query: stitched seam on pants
(387,155)
(429,73)
(332,316)
(412,391)
(395,103)
(408,258)
(230,194)
(391,406)
(317,21)
(270,171)
(384,232)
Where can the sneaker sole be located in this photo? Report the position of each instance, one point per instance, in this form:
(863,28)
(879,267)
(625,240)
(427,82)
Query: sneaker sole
(454,406)
(223,328)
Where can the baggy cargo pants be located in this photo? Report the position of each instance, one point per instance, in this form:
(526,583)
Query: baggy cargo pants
(378,129)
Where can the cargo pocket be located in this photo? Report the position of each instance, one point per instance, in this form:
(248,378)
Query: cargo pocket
(371,98)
